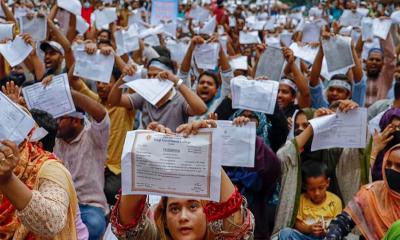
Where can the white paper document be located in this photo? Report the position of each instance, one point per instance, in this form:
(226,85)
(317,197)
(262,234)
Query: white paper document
(105,16)
(235,145)
(95,67)
(338,53)
(239,62)
(127,40)
(15,124)
(55,98)
(395,17)
(311,33)
(305,52)
(259,96)
(340,130)
(151,89)
(249,37)
(15,51)
(349,18)
(81,25)
(6,31)
(170,165)
(381,28)
(36,27)
(72,6)
(366,26)
(271,64)
(206,55)
(178,50)
(199,14)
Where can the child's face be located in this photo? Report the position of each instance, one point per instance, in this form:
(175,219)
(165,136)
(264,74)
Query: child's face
(316,188)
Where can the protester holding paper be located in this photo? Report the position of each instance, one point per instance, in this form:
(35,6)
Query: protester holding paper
(344,166)
(172,110)
(177,218)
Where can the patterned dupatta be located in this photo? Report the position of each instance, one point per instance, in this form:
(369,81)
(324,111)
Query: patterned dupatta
(32,158)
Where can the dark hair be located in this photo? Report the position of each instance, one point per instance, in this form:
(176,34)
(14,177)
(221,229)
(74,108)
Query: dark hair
(164,60)
(103,41)
(107,31)
(46,120)
(212,75)
(163,51)
(292,91)
(312,168)
(397,90)
(116,73)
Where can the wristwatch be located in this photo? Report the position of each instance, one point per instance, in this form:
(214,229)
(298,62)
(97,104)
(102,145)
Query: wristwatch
(178,84)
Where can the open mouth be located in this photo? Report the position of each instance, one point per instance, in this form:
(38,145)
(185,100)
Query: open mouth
(185,230)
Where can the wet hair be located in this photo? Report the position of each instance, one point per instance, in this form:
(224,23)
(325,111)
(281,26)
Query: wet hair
(210,74)
(48,122)
(164,60)
(163,51)
(312,168)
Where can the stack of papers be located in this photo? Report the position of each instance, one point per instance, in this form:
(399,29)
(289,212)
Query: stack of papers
(42,97)
(259,96)
(152,89)
(95,67)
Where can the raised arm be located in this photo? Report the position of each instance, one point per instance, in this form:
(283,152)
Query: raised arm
(196,105)
(316,68)
(357,69)
(63,41)
(9,15)
(116,98)
(33,61)
(93,108)
(187,60)
(300,80)
(389,61)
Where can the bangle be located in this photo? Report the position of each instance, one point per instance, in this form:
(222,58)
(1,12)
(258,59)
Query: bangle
(115,220)
(178,84)
(215,211)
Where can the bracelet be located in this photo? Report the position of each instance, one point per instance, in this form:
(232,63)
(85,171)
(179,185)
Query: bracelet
(178,84)
(115,220)
(215,211)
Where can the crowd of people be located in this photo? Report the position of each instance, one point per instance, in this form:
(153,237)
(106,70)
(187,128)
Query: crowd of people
(66,184)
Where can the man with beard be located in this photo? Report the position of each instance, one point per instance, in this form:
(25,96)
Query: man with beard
(82,145)
(379,69)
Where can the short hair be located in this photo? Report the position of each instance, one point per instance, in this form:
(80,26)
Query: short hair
(116,73)
(312,168)
(163,51)
(48,122)
(210,74)
(107,31)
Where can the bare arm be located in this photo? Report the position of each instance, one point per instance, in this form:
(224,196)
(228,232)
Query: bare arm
(357,69)
(316,68)
(116,98)
(95,109)
(9,15)
(63,41)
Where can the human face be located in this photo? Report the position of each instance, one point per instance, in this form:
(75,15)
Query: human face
(393,161)
(66,128)
(285,96)
(103,36)
(316,188)
(153,72)
(186,219)
(251,116)
(336,93)
(206,89)
(374,64)
(103,89)
(301,122)
(52,59)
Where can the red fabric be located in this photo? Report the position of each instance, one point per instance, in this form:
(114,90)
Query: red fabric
(219,13)
(87,13)
(215,211)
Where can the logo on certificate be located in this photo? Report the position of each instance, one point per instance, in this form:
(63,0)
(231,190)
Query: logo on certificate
(148,137)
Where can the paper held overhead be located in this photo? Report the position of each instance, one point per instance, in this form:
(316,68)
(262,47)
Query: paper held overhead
(15,51)
(259,96)
(72,6)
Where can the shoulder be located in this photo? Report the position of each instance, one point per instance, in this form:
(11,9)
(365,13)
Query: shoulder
(332,199)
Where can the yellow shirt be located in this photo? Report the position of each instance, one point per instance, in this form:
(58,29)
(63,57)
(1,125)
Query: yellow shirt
(310,213)
(122,121)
